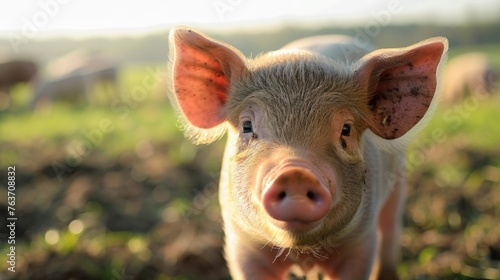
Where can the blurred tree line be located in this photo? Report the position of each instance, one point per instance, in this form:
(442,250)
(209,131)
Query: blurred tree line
(153,48)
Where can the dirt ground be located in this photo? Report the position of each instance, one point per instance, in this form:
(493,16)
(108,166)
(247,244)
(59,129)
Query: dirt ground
(139,216)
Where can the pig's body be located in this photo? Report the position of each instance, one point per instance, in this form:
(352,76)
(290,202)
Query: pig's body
(311,176)
(338,47)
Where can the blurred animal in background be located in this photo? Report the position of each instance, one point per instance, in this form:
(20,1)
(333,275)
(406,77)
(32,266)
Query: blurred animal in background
(469,74)
(76,61)
(76,76)
(13,72)
(71,88)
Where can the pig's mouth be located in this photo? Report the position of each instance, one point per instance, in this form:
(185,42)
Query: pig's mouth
(296,227)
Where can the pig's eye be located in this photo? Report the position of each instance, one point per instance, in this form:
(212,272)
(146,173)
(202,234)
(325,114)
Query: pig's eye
(346,130)
(247,127)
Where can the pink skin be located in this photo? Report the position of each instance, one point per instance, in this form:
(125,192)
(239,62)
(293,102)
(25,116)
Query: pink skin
(304,180)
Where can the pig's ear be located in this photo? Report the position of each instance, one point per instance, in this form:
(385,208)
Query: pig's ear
(402,84)
(202,71)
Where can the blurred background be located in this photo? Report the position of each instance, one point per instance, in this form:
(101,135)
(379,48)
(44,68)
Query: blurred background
(108,188)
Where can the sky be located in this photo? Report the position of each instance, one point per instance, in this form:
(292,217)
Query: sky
(90,17)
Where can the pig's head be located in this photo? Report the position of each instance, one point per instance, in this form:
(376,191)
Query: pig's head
(294,170)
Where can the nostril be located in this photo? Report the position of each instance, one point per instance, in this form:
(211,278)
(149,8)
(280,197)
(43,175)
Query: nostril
(311,196)
(281,195)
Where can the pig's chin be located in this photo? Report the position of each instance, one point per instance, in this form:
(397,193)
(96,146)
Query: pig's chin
(301,241)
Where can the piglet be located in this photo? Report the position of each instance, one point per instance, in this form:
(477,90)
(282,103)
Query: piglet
(312,176)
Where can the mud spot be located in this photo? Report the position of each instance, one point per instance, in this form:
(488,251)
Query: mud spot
(415,91)
(394,132)
(386,76)
(393,89)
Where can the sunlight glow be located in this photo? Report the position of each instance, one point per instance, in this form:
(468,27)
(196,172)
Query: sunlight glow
(52,237)
(76,226)
(114,16)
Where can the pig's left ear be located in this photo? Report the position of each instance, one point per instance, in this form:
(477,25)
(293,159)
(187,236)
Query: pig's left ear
(202,72)
(401,84)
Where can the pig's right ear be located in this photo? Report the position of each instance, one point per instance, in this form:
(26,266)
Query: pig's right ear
(202,72)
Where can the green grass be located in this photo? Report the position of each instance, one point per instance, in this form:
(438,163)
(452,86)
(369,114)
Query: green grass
(473,121)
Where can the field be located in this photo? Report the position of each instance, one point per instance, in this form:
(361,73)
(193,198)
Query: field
(111,190)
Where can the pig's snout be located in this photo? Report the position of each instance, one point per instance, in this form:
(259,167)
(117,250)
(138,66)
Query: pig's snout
(296,198)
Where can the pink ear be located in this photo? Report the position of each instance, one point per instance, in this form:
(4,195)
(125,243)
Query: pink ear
(401,84)
(203,70)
